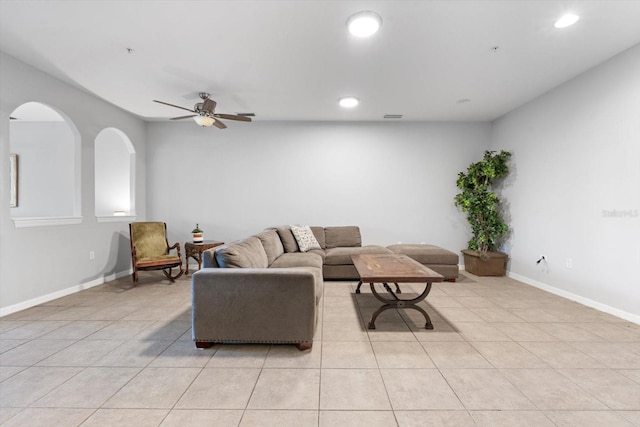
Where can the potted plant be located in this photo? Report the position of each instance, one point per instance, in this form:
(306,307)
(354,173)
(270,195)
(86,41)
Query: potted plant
(482,207)
(197,234)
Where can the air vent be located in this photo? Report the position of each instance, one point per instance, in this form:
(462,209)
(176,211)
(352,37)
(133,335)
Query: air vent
(247,114)
(393,116)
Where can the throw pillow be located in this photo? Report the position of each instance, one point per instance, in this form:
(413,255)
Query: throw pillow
(305,238)
(288,241)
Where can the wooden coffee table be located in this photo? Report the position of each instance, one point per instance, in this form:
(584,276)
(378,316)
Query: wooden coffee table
(394,268)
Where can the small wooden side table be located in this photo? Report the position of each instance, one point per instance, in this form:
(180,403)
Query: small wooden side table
(194,250)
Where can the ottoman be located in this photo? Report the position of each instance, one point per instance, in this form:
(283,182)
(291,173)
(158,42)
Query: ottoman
(436,258)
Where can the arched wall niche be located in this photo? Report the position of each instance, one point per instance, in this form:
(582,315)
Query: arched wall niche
(47,144)
(114,176)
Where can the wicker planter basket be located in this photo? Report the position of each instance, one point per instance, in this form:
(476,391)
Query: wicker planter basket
(495,263)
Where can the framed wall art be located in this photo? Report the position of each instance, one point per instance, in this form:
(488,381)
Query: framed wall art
(13,171)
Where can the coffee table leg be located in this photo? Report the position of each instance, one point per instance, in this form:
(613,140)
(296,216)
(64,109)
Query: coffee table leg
(374,316)
(388,288)
(398,303)
(358,288)
(427,325)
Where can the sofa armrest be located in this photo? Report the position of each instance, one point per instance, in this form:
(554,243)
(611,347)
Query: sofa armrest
(209,258)
(253,305)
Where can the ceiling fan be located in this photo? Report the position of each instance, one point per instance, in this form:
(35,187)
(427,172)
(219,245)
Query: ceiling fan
(204,113)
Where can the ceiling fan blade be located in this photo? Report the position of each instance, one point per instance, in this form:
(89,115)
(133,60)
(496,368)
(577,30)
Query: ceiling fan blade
(175,106)
(219,124)
(233,117)
(183,117)
(209,105)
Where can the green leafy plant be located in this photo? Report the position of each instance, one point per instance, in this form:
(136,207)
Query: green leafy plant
(481,204)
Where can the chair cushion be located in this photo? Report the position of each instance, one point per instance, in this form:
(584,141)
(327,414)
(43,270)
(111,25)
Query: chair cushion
(149,239)
(248,253)
(339,237)
(305,238)
(167,260)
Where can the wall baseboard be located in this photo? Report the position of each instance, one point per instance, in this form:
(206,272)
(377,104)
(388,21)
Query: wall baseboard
(577,298)
(62,293)
(573,297)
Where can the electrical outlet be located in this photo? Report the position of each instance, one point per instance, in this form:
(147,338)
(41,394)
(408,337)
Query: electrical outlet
(569,263)
(92,255)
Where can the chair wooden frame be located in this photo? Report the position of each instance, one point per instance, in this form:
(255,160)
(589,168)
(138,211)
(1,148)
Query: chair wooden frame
(159,263)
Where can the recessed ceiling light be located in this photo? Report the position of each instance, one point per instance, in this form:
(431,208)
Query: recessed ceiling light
(348,102)
(364,24)
(566,20)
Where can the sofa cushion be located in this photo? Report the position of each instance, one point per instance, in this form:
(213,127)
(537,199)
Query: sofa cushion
(248,253)
(341,256)
(338,237)
(297,259)
(272,244)
(288,241)
(319,233)
(319,252)
(305,238)
(426,254)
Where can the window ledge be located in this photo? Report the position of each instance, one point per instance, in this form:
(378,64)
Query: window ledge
(115,218)
(46,221)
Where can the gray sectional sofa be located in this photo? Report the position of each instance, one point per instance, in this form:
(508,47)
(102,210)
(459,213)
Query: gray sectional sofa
(263,289)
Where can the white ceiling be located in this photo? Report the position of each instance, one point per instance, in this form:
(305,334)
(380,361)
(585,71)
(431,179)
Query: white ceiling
(292,60)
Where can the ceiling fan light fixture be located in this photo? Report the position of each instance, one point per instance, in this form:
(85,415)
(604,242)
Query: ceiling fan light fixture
(204,121)
(566,20)
(348,102)
(364,24)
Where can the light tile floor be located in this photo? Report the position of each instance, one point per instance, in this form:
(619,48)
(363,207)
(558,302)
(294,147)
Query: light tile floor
(501,354)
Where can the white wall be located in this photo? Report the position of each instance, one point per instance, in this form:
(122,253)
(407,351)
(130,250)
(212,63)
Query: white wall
(395,180)
(37,263)
(576,152)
